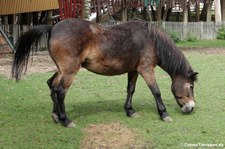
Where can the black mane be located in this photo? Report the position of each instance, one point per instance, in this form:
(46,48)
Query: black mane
(170,58)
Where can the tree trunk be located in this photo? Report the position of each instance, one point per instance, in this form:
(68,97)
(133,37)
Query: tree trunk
(197,11)
(99,15)
(177,16)
(168,14)
(185,13)
(189,14)
(149,14)
(144,13)
(204,12)
(209,15)
(159,13)
(153,14)
(223,9)
(124,11)
(165,13)
(217,11)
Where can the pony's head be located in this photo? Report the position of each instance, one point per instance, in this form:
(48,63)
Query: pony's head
(183,91)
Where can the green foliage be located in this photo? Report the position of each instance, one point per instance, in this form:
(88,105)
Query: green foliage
(221,32)
(191,38)
(174,36)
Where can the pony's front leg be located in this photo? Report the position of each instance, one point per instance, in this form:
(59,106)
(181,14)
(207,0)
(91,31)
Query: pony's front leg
(149,77)
(160,105)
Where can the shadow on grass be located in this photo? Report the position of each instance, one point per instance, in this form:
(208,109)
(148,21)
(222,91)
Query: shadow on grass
(107,107)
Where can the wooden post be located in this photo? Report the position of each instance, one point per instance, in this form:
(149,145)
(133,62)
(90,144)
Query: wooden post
(15,33)
(26,19)
(5,22)
(5,19)
(49,16)
(35,18)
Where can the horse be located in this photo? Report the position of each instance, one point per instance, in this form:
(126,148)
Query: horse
(135,47)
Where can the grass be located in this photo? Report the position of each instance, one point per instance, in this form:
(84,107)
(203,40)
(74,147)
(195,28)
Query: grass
(204,44)
(25,109)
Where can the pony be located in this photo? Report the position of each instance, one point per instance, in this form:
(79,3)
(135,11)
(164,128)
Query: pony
(135,47)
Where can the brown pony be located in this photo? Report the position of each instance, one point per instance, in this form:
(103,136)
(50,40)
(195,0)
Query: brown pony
(134,47)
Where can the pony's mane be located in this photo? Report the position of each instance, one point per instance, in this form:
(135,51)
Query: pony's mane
(170,58)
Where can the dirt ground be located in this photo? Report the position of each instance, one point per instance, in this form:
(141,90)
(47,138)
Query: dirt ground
(112,135)
(39,63)
(42,62)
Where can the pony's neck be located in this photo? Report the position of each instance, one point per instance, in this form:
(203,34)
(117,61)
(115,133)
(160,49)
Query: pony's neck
(176,70)
(169,57)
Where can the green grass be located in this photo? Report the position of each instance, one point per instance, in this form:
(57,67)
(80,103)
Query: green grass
(25,109)
(203,44)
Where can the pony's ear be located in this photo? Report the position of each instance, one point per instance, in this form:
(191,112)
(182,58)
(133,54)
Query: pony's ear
(193,76)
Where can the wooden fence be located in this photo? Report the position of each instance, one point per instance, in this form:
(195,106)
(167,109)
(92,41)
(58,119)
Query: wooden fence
(198,30)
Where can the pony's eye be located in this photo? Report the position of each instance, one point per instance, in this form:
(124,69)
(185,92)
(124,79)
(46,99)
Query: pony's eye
(178,97)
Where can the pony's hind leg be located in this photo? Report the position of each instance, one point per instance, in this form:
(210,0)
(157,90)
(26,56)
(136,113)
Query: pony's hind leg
(64,84)
(54,98)
(132,78)
(59,84)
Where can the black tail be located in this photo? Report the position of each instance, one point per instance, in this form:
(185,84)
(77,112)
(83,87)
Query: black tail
(26,43)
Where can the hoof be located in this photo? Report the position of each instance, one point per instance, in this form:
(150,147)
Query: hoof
(70,125)
(55,117)
(135,115)
(167,119)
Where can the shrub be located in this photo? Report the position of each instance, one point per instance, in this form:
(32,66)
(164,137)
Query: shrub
(221,33)
(191,38)
(174,36)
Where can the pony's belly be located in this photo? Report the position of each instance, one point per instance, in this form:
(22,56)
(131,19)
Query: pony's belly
(110,68)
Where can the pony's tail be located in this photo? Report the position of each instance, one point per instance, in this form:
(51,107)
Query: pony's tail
(26,43)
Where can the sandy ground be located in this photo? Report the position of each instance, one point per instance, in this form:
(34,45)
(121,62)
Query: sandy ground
(39,63)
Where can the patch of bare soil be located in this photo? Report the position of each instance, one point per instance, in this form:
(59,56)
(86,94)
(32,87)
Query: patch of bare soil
(110,136)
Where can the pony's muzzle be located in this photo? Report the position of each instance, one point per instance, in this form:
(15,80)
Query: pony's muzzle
(188,107)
